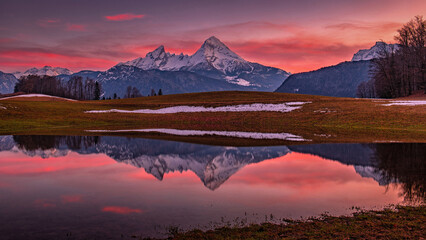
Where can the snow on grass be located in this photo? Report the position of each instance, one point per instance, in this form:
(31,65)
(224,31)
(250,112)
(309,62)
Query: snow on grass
(406,103)
(37,95)
(252,135)
(1,107)
(255,107)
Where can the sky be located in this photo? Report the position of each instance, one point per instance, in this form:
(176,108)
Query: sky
(296,36)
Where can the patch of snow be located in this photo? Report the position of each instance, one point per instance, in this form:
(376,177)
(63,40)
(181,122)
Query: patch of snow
(238,81)
(37,95)
(405,103)
(252,135)
(1,107)
(255,107)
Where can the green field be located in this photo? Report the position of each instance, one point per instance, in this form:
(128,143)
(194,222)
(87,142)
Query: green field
(325,119)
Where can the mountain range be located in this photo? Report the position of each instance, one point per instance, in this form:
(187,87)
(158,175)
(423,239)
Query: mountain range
(46,70)
(340,80)
(213,67)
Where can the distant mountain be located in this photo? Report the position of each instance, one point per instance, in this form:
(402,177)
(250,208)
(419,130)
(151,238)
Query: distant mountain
(213,67)
(374,52)
(214,60)
(84,74)
(7,82)
(340,80)
(46,70)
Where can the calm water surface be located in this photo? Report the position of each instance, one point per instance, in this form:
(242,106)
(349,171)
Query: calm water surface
(72,187)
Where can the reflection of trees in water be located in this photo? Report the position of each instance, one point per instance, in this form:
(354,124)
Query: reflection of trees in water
(44,142)
(404,163)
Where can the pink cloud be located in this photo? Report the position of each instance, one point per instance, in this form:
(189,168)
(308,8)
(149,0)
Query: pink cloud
(120,210)
(38,58)
(124,17)
(76,27)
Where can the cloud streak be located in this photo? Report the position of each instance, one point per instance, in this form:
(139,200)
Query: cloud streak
(120,210)
(124,17)
(76,27)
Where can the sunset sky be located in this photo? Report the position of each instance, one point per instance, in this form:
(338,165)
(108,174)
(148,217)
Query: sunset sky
(296,36)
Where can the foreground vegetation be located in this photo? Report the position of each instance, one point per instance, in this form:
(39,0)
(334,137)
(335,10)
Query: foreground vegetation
(325,119)
(400,223)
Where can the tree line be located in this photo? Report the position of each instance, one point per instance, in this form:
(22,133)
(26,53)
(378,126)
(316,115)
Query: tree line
(133,92)
(399,72)
(75,88)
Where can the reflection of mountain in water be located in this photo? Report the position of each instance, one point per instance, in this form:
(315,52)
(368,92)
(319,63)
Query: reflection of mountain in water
(361,156)
(384,162)
(212,164)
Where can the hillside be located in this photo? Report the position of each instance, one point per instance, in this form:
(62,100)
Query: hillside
(340,80)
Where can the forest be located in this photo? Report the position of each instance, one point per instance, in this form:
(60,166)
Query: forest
(75,88)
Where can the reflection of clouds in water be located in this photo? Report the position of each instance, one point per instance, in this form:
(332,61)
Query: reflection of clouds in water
(91,191)
(384,162)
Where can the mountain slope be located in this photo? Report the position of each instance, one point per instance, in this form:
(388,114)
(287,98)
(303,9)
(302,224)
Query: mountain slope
(214,60)
(118,78)
(7,82)
(340,80)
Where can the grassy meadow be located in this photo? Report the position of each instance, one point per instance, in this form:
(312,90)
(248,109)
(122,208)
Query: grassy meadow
(325,119)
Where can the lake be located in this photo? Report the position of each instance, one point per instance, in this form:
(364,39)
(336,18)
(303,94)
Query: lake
(79,187)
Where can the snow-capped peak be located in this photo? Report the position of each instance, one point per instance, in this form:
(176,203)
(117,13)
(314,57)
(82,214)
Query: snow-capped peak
(157,53)
(214,60)
(46,70)
(215,53)
(375,51)
(159,59)
(212,53)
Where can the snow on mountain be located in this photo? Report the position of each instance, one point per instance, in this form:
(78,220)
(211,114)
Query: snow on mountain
(161,60)
(374,52)
(213,53)
(215,60)
(7,82)
(46,70)
(216,54)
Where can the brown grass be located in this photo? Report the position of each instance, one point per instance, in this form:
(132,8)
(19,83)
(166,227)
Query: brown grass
(402,223)
(326,119)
